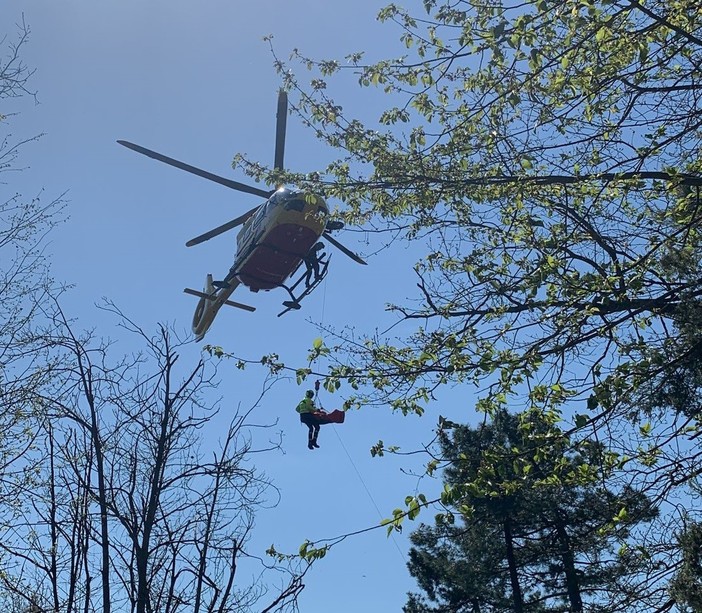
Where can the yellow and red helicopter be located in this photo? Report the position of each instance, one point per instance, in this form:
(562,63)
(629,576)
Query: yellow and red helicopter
(275,238)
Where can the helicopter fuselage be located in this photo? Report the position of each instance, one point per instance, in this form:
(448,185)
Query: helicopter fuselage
(273,241)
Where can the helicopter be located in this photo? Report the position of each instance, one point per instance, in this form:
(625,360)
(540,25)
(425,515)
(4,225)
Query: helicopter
(274,239)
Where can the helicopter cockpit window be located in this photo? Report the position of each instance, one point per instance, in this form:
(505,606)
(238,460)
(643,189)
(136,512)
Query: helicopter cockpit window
(271,204)
(296,204)
(260,214)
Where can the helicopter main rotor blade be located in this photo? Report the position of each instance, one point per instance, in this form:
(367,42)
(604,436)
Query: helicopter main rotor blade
(281,121)
(221,229)
(242,187)
(343,249)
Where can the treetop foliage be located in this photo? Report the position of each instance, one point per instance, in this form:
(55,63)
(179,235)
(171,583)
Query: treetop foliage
(544,151)
(545,156)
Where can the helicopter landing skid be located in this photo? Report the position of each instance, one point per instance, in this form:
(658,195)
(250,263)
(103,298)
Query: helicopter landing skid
(294,303)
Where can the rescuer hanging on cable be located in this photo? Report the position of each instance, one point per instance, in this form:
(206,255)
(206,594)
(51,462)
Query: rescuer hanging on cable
(314,417)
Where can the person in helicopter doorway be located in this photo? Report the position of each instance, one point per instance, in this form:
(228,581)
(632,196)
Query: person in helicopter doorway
(313,260)
(309,415)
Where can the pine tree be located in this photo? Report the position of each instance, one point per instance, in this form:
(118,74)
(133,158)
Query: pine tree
(686,587)
(529,536)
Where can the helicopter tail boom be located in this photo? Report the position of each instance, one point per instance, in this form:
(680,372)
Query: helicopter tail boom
(211,300)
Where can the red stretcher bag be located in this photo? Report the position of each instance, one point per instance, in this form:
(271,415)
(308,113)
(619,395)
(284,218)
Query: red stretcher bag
(335,417)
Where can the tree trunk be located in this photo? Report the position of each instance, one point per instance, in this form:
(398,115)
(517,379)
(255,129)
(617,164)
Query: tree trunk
(572,585)
(143,551)
(96,440)
(53,522)
(513,577)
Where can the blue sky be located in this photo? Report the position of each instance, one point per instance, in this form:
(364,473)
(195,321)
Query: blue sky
(195,81)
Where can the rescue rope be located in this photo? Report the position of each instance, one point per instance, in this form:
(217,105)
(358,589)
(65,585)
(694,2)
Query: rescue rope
(324,300)
(365,487)
(348,455)
(358,473)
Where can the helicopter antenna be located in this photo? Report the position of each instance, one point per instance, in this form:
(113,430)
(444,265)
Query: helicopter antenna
(281,121)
